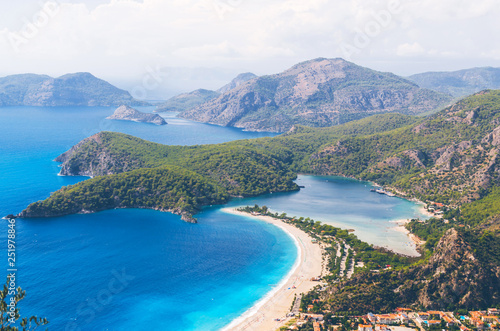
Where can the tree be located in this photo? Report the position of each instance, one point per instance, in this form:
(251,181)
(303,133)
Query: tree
(9,313)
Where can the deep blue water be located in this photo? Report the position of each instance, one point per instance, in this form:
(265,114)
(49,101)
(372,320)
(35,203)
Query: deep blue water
(146,270)
(76,269)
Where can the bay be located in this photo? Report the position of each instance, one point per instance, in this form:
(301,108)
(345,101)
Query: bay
(146,270)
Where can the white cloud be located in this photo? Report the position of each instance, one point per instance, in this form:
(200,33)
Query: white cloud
(413,49)
(120,38)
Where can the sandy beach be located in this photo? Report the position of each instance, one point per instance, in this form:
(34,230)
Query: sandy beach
(276,305)
(416,240)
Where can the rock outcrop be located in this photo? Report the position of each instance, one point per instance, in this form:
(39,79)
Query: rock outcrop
(127,113)
(453,276)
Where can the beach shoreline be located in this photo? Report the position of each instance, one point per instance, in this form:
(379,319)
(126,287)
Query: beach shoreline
(276,304)
(415,240)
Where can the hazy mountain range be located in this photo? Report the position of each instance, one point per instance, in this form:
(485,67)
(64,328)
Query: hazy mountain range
(320,92)
(186,101)
(77,89)
(459,83)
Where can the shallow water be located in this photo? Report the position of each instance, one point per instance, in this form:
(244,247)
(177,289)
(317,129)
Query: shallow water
(139,269)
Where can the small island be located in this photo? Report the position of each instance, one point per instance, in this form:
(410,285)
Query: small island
(127,113)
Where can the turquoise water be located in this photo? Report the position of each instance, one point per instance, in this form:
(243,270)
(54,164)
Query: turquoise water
(348,204)
(171,275)
(140,269)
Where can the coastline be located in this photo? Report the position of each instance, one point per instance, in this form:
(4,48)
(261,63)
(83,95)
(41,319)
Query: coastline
(400,227)
(276,304)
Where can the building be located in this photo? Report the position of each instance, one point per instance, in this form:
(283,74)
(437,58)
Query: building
(388,319)
(372,318)
(449,321)
(315,317)
(490,319)
(493,311)
(431,322)
(404,318)
(423,316)
(365,327)
(403,310)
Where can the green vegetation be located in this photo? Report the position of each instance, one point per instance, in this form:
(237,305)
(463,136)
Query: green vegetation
(372,257)
(9,311)
(450,157)
(242,168)
(187,101)
(431,159)
(430,230)
(166,188)
(434,160)
(478,211)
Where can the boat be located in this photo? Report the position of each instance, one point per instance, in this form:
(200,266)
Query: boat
(382,191)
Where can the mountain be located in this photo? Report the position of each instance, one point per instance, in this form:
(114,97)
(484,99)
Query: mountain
(318,93)
(451,157)
(78,89)
(237,81)
(455,276)
(459,83)
(127,113)
(186,101)
(233,169)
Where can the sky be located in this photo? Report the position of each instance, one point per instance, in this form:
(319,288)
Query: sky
(156,48)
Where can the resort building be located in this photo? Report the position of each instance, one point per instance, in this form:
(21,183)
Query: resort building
(365,327)
(372,318)
(431,322)
(493,311)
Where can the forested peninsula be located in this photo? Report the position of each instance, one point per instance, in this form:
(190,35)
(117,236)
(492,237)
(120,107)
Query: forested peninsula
(450,157)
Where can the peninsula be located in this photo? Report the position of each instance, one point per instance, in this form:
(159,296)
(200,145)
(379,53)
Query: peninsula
(449,160)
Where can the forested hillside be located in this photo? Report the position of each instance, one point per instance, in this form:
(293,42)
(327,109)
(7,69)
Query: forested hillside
(450,157)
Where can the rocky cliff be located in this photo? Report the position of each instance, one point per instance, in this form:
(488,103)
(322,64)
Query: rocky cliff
(320,92)
(127,113)
(78,89)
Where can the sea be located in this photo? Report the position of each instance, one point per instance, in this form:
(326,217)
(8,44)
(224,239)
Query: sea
(138,269)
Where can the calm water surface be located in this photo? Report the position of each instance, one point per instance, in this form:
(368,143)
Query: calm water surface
(139,269)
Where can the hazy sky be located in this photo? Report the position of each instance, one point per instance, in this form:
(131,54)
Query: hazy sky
(152,41)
